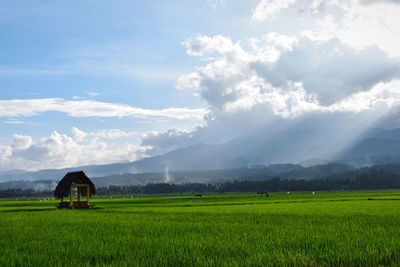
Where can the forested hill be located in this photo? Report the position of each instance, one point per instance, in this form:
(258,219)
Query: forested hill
(374,179)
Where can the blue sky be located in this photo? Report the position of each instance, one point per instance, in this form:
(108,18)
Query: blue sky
(50,50)
(137,77)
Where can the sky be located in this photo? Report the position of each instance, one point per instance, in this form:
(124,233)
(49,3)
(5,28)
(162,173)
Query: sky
(95,82)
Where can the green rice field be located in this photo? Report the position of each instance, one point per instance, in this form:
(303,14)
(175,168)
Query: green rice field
(296,229)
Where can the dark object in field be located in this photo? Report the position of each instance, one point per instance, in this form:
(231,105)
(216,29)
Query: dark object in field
(263,193)
(198,195)
(83,185)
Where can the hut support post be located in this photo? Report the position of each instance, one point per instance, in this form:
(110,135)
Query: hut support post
(71,197)
(62,199)
(78,193)
(87,194)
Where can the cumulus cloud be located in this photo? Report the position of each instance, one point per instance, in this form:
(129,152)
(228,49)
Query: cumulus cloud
(206,45)
(89,108)
(330,70)
(270,9)
(78,134)
(21,142)
(5,155)
(302,75)
(275,83)
(217,79)
(270,46)
(61,150)
(358,23)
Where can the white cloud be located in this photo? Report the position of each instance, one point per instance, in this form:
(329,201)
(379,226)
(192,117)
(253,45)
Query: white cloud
(298,76)
(88,95)
(160,143)
(78,134)
(270,9)
(218,79)
(270,46)
(329,70)
(90,108)
(375,24)
(357,23)
(113,134)
(384,95)
(206,45)
(21,142)
(15,122)
(5,156)
(60,150)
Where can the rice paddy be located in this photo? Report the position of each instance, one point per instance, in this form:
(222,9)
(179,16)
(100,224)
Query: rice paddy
(296,229)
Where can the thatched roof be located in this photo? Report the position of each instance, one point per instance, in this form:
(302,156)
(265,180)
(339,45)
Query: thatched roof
(63,187)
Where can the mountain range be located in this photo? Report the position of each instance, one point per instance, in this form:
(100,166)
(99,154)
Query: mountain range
(298,149)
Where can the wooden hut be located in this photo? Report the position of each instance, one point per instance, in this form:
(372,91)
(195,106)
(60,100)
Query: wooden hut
(75,183)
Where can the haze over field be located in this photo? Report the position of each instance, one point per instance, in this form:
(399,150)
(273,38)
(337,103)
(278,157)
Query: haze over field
(200,85)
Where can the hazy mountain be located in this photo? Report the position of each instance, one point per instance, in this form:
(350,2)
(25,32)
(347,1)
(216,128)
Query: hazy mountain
(255,150)
(375,147)
(392,134)
(57,174)
(372,151)
(318,171)
(283,168)
(12,172)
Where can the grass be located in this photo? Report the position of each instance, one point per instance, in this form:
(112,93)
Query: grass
(297,229)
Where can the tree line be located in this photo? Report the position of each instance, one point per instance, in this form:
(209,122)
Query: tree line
(18,192)
(375,179)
